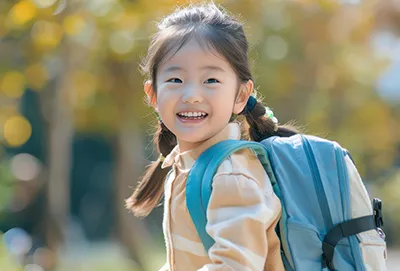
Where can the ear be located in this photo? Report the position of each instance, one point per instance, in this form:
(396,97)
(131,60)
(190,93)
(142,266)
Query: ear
(245,90)
(151,95)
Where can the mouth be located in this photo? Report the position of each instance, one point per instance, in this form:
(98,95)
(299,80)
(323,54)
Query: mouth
(191,115)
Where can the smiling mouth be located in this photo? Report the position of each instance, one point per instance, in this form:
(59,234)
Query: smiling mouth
(192,115)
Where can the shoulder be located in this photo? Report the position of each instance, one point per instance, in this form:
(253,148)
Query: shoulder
(243,163)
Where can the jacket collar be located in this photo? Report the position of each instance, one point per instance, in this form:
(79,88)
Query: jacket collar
(185,160)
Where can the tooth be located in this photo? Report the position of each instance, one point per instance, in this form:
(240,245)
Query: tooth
(190,114)
(196,114)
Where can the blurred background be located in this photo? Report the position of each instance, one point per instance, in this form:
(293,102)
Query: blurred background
(75,134)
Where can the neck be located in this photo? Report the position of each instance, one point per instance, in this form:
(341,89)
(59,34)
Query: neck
(187,146)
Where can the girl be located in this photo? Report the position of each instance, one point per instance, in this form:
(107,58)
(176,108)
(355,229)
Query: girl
(199,80)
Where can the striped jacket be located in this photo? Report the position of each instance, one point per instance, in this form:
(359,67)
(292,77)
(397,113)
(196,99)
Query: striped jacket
(242,214)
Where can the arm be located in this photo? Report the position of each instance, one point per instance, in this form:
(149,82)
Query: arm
(239,214)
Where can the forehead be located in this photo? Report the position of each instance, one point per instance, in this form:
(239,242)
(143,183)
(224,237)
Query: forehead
(194,54)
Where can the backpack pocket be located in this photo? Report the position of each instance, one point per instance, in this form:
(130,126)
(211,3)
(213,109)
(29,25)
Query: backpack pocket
(306,248)
(305,245)
(372,243)
(373,250)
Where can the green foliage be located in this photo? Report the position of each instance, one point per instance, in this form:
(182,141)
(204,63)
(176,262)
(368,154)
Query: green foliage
(7,262)
(6,183)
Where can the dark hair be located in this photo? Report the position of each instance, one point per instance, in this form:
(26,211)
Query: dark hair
(215,28)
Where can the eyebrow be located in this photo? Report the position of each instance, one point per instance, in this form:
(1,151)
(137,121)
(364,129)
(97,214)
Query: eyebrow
(177,68)
(214,68)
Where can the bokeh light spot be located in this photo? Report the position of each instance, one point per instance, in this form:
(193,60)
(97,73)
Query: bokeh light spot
(25,167)
(33,267)
(44,257)
(74,24)
(17,130)
(22,12)
(44,3)
(276,47)
(121,42)
(36,76)
(100,7)
(18,241)
(46,34)
(13,84)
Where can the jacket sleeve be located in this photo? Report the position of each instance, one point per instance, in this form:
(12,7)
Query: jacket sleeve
(239,214)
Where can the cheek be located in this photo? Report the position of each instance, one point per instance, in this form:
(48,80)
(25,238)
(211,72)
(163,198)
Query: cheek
(224,103)
(165,103)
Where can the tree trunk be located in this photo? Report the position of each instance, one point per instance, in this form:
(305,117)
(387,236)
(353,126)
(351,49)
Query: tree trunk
(60,131)
(131,231)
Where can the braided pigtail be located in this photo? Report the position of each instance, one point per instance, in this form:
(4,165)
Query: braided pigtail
(151,187)
(262,123)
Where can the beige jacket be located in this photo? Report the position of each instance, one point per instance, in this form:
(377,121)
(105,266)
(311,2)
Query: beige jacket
(242,214)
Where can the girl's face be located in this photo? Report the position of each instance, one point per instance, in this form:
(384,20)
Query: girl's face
(197,94)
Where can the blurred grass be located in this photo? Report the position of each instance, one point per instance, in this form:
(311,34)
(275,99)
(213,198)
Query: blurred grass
(97,257)
(111,257)
(108,257)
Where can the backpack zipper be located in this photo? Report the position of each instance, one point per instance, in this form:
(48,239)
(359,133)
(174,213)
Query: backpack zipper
(319,189)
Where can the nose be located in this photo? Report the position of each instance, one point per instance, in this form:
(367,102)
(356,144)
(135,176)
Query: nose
(192,94)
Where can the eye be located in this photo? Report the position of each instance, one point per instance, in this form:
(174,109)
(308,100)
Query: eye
(211,81)
(174,80)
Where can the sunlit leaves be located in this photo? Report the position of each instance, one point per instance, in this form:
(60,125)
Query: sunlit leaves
(312,57)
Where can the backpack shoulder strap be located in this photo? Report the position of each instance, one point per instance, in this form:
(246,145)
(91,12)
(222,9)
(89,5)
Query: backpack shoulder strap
(199,182)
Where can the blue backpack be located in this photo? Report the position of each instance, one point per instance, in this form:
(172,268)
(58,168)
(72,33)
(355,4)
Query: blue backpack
(310,177)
